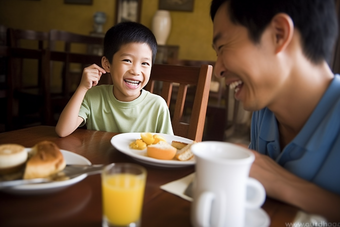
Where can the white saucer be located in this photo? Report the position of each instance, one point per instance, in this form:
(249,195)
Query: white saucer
(256,218)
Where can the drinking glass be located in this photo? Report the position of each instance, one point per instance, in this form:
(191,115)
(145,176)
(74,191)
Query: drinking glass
(123,187)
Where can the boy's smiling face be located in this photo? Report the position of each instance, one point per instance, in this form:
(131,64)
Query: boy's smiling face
(130,70)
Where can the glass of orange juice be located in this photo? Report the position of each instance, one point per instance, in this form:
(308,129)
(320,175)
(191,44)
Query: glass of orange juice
(123,187)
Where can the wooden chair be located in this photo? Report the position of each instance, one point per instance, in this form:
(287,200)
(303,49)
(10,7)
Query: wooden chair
(216,112)
(4,57)
(16,37)
(3,61)
(185,76)
(71,50)
(30,39)
(26,75)
(13,120)
(55,103)
(229,110)
(216,92)
(73,43)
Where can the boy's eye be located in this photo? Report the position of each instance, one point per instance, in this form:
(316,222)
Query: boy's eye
(127,60)
(146,63)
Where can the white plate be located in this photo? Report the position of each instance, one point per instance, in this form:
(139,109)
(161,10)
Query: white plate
(256,218)
(122,143)
(44,188)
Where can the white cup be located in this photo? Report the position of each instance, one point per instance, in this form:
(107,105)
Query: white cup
(222,189)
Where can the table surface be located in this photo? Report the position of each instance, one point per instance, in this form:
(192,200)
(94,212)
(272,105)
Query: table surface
(81,203)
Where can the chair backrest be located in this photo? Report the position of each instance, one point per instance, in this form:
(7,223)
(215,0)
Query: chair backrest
(73,43)
(62,99)
(14,54)
(4,57)
(74,51)
(28,39)
(16,36)
(218,92)
(69,39)
(216,86)
(3,35)
(3,61)
(183,77)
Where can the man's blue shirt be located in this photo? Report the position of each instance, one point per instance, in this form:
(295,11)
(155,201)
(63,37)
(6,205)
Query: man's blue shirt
(314,154)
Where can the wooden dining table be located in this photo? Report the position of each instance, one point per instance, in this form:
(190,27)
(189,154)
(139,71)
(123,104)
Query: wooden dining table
(81,204)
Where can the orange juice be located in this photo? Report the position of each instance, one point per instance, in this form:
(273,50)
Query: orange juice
(123,197)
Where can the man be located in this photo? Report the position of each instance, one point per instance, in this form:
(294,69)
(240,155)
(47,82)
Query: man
(274,53)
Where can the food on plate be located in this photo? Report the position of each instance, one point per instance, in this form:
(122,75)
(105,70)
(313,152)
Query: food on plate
(158,138)
(185,153)
(161,150)
(138,144)
(12,158)
(157,147)
(145,140)
(46,160)
(178,145)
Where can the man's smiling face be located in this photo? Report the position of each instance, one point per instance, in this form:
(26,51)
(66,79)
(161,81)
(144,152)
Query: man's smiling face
(247,67)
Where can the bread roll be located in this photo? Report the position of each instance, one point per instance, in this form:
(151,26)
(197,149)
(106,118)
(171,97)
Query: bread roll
(185,153)
(12,158)
(46,160)
(178,145)
(161,150)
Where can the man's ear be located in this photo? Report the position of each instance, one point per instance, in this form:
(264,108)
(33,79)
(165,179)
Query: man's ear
(283,30)
(106,64)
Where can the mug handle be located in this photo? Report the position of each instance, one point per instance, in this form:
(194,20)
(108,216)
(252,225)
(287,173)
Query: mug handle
(256,194)
(203,208)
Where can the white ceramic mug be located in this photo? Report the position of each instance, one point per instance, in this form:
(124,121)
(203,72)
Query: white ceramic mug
(221,183)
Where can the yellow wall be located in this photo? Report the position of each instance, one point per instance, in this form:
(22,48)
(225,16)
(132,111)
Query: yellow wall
(44,15)
(192,31)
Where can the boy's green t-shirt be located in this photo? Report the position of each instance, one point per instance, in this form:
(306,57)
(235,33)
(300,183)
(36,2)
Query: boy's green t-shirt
(103,112)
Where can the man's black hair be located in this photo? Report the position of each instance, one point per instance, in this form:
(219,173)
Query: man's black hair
(316,20)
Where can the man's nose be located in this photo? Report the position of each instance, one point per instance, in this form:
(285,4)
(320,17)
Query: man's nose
(219,69)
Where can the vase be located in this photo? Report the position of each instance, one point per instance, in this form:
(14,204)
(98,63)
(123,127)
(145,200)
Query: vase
(161,26)
(99,19)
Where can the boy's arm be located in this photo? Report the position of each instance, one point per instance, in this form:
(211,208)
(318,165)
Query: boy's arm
(285,186)
(69,119)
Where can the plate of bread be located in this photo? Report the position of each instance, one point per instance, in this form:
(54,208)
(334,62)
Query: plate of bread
(43,160)
(156,149)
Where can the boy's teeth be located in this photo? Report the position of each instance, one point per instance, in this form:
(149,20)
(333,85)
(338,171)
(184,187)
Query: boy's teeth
(132,81)
(235,84)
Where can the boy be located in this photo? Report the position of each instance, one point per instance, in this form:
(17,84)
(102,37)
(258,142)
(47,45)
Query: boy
(129,52)
(274,53)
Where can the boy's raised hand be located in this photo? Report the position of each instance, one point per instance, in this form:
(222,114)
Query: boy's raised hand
(91,76)
(69,118)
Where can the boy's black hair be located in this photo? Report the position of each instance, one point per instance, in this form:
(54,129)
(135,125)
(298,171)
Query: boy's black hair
(316,20)
(128,32)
